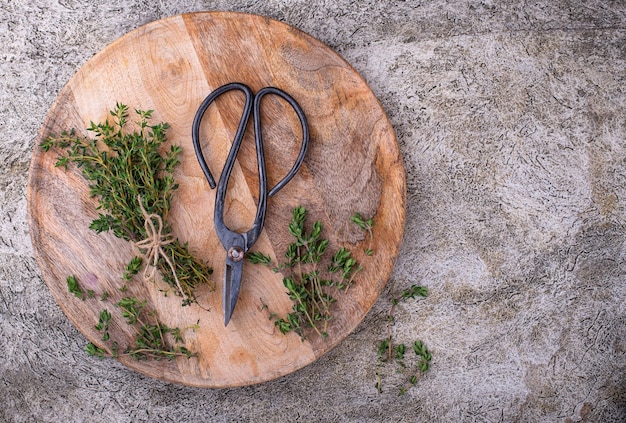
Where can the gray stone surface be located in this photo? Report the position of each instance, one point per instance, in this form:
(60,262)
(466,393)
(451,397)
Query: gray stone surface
(511,118)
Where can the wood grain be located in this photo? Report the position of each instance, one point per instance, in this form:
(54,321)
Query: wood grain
(353,165)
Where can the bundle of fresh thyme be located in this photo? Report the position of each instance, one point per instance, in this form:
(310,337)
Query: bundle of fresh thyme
(309,285)
(134,182)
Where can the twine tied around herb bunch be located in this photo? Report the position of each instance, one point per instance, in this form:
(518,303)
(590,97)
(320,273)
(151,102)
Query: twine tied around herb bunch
(151,247)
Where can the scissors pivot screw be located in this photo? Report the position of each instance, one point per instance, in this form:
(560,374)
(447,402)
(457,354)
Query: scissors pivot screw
(235,253)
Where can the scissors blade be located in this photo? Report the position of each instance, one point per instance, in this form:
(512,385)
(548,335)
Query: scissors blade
(232,283)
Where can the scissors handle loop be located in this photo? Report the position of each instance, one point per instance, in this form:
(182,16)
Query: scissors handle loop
(195,128)
(303,123)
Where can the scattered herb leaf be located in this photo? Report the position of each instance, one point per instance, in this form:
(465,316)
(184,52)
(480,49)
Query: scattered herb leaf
(74,287)
(95,351)
(366,225)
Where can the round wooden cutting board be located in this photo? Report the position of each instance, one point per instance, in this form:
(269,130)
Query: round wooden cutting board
(353,165)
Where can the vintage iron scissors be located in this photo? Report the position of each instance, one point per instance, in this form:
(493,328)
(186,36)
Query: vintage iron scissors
(237,244)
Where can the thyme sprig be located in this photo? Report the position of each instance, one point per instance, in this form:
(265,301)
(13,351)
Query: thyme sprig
(388,352)
(153,339)
(103,324)
(312,280)
(132,268)
(366,225)
(124,167)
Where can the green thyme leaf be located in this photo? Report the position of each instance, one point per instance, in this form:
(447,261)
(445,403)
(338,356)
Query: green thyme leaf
(74,287)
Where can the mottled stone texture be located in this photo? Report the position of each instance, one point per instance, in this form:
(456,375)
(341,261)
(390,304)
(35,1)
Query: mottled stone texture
(511,118)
